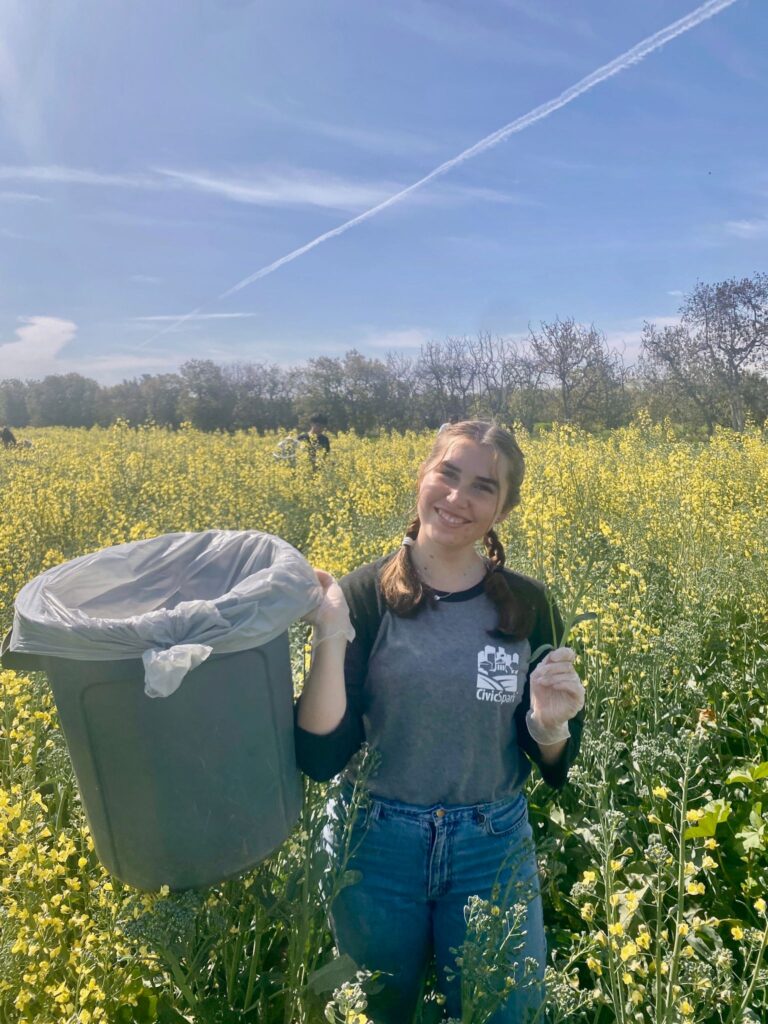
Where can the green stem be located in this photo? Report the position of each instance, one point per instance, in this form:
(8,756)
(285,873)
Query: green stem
(675,964)
(745,1003)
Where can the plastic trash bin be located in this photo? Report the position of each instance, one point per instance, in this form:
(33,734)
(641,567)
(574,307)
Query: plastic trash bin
(200,785)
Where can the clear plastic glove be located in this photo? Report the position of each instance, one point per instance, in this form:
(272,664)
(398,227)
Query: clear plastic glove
(557,694)
(331,618)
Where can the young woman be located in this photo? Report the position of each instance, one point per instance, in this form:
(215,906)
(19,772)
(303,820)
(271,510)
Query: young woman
(438,680)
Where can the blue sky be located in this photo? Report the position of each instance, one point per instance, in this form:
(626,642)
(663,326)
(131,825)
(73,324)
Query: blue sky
(155,153)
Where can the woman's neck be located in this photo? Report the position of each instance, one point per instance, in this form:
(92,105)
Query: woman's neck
(451,571)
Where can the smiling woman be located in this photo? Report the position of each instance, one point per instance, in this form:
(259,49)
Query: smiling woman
(440,681)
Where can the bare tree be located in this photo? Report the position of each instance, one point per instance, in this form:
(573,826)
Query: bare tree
(498,372)
(729,324)
(674,376)
(447,369)
(577,361)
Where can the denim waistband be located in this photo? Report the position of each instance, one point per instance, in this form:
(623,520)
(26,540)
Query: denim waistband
(449,812)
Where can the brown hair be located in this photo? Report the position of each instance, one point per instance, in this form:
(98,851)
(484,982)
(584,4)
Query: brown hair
(405,594)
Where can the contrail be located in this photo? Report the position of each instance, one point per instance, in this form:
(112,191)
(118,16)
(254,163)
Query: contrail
(625,60)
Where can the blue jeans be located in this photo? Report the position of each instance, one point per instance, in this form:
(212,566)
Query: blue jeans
(419,867)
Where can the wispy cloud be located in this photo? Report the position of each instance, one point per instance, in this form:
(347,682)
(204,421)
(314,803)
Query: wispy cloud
(59,175)
(756,228)
(38,345)
(676,293)
(285,187)
(200,316)
(22,197)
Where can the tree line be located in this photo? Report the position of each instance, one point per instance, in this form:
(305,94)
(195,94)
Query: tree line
(708,369)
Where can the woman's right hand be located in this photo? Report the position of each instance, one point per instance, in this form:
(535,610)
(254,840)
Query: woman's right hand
(331,617)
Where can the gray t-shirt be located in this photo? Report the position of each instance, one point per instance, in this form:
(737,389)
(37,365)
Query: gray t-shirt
(438,706)
(441,701)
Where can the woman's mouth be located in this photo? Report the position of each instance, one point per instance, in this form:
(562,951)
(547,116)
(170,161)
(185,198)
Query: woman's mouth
(449,518)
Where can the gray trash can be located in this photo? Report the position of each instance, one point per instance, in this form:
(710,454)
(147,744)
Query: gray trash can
(188,789)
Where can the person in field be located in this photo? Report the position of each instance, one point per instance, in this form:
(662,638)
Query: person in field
(315,438)
(7,438)
(439,681)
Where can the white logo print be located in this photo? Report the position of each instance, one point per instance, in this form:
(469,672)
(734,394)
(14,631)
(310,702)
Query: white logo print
(497,675)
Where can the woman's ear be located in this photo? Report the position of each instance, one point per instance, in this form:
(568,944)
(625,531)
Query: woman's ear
(500,518)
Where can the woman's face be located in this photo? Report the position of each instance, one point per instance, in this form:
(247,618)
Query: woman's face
(460,495)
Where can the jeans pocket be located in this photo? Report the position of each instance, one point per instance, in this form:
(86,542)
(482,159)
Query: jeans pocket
(507,819)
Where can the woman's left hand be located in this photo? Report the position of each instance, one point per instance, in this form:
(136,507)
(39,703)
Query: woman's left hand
(557,693)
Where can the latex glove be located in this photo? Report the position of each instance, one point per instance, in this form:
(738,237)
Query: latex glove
(557,694)
(331,617)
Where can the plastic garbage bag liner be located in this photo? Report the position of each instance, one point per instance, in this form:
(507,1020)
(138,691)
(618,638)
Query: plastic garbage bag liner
(171,600)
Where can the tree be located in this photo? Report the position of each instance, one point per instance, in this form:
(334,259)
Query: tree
(588,376)
(447,371)
(676,381)
(13,403)
(162,396)
(67,400)
(207,398)
(728,322)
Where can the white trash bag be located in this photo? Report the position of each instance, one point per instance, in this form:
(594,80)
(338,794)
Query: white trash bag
(172,601)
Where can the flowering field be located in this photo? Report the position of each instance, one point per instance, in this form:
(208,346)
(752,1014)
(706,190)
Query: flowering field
(654,859)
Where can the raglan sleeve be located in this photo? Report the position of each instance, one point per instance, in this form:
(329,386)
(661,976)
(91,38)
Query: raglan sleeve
(321,756)
(548,629)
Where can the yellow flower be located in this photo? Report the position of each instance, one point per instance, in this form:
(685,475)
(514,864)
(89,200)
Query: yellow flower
(589,877)
(737,932)
(594,965)
(695,888)
(760,905)
(708,863)
(588,911)
(694,814)
(628,950)
(686,1008)
(661,792)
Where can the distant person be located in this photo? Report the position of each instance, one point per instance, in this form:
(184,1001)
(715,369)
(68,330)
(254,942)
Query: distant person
(449,423)
(7,438)
(315,438)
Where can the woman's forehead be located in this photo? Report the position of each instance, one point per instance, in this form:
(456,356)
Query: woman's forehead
(480,459)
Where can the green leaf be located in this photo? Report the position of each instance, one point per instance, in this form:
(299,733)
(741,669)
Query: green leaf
(749,775)
(331,975)
(541,650)
(715,812)
(584,617)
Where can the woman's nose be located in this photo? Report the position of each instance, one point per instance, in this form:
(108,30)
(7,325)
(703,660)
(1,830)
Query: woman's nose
(456,495)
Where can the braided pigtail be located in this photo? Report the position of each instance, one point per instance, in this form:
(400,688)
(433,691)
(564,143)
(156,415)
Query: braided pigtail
(400,585)
(516,617)
(494,549)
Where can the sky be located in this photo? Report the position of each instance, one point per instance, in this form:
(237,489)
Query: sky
(156,155)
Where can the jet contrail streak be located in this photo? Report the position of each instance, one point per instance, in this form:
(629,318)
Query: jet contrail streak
(625,60)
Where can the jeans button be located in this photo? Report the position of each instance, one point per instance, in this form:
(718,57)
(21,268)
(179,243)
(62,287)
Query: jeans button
(440,813)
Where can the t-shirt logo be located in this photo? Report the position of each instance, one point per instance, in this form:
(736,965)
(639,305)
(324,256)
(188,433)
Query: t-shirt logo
(497,675)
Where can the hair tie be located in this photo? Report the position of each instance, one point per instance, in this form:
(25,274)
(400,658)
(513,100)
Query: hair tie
(407,542)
